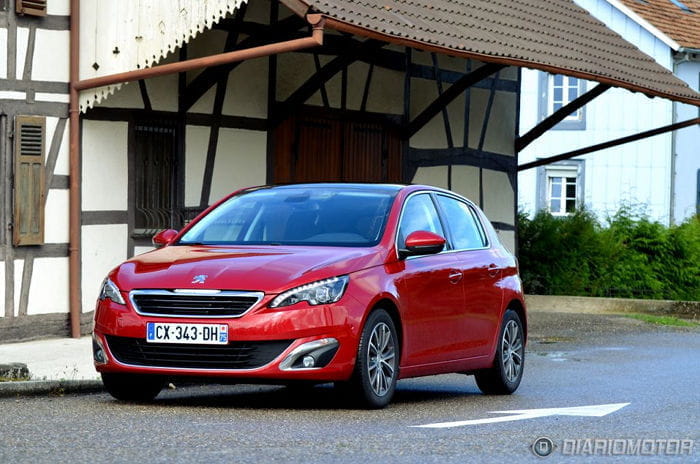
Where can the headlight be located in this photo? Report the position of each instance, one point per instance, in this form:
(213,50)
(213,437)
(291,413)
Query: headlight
(316,293)
(109,290)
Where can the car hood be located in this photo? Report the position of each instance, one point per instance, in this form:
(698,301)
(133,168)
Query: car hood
(270,269)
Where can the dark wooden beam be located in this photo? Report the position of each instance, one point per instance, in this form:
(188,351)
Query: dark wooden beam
(448,96)
(558,116)
(610,144)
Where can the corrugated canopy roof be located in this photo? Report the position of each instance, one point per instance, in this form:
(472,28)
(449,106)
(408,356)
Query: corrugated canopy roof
(680,25)
(556,36)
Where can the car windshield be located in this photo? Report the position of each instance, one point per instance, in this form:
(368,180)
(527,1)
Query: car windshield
(316,216)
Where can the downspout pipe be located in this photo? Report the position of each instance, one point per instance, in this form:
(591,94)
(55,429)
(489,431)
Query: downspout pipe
(74,203)
(317,23)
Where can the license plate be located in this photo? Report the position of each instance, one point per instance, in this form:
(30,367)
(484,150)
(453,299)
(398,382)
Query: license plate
(195,334)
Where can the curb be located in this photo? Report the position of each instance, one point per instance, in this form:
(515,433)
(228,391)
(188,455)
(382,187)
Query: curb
(596,305)
(43,387)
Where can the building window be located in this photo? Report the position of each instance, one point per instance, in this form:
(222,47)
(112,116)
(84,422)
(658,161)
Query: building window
(561,192)
(560,187)
(557,91)
(154,178)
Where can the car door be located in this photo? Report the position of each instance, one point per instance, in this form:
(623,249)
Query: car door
(480,266)
(430,290)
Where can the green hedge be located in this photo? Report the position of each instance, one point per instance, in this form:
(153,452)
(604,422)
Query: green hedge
(628,256)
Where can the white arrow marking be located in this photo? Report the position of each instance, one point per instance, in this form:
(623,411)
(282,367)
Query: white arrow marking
(598,410)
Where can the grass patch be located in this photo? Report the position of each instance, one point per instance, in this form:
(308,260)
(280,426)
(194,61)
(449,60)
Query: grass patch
(662,320)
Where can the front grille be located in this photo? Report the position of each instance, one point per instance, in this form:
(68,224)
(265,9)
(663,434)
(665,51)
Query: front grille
(183,303)
(235,355)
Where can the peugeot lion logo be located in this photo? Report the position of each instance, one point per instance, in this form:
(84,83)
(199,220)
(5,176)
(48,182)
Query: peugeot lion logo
(199,279)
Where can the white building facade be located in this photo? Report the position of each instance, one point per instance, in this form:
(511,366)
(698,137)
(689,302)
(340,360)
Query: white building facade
(646,174)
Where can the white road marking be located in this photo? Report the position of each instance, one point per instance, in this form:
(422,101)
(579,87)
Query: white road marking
(599,410)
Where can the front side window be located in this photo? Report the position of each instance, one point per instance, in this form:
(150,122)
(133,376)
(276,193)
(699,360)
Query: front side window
(419,213)
(465,229)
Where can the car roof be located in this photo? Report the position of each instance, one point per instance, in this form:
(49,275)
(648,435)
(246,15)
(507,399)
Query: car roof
(389,188)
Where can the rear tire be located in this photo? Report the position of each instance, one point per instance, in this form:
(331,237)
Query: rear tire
(133,387)
(503,378)
(377,367)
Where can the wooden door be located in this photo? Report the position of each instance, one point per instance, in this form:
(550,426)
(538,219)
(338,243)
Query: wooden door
(329,148)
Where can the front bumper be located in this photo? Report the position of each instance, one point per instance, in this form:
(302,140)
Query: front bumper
(266,344)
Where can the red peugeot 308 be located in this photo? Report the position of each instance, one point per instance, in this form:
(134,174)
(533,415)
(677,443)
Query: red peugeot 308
(355,284)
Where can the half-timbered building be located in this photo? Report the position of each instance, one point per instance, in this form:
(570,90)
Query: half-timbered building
(169,105)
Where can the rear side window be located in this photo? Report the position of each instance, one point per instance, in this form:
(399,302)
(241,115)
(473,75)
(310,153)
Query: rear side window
(419,213)
(467,233)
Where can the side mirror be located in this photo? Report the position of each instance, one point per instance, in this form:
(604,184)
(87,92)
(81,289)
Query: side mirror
(164,237)
(422,242)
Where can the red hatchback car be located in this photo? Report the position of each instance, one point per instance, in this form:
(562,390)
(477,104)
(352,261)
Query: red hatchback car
(357,284)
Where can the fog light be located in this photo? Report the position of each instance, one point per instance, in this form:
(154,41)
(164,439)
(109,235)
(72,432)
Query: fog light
(98,352)
(308,361)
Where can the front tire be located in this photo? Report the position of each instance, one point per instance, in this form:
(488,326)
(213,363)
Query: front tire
(503,378)
(133,387)
(377,367)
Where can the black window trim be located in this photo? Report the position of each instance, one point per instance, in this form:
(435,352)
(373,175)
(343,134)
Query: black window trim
(474,214)
(430,194)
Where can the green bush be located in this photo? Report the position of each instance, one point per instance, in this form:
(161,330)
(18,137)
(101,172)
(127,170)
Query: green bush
(629,256)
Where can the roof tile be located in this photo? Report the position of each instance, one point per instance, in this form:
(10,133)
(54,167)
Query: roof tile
(554,35)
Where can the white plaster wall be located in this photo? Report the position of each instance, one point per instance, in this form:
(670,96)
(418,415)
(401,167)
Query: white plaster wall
(386,92)
(2,288)
(507,238)
(105,166)
(3,53)
(432,135)
(498,197)
(465,181)
(56,216)
(687,148)
(501,128)
(206,103)
(58,7)
(141,250)
(103,248)
(240,161)
(51,56)
(49,290)
(293,69)
(62,160)
(246,92)
(357,76)
(126,96)
(637,173)
(19,269)
(196,144)
(21,55)
(431,175)
(162,91)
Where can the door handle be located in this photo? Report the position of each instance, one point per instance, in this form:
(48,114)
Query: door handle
(494,269)
(455,276)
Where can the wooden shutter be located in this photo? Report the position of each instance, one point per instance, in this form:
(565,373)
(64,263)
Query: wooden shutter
(31,7)
(29,180)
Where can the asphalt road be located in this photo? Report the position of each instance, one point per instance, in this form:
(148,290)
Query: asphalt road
(572,361)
